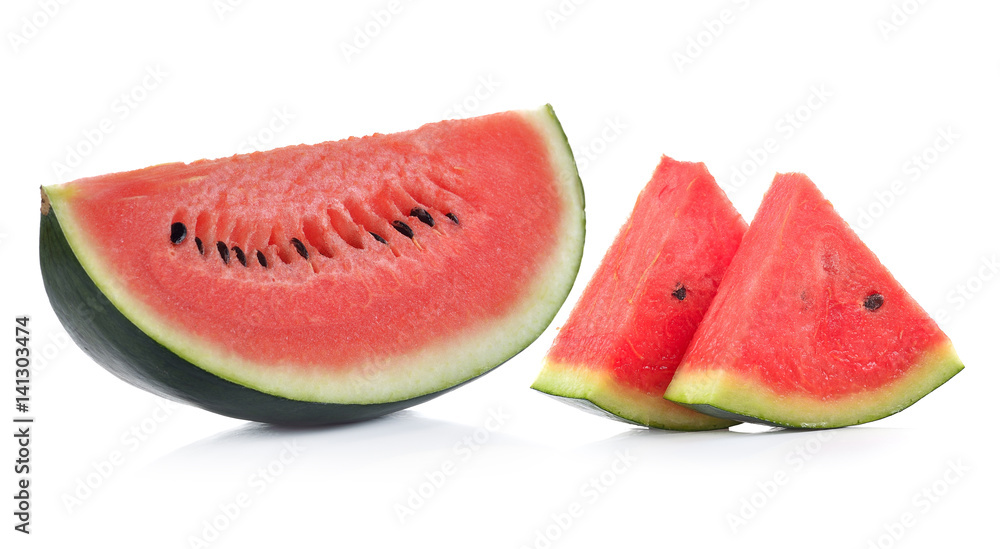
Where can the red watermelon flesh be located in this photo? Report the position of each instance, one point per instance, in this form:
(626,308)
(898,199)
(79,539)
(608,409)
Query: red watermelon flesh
(809,329)
(367,270)
(617,352)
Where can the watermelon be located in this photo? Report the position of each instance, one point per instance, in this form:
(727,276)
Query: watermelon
(325,283)
(618,350)
(809,329)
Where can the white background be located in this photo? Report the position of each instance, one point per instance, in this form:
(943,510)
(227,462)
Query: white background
(612,72)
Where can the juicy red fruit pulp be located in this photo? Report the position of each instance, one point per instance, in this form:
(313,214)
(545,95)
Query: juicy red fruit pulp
(649,294)
(307,255)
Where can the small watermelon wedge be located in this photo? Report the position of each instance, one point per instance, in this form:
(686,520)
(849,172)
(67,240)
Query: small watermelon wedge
(809,329)
(617,352)
(324,283)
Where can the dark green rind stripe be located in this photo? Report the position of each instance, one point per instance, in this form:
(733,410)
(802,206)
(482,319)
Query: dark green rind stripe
(596,409)
(120,347)
(711,410)
(576,171)
(591,408)
(115,343)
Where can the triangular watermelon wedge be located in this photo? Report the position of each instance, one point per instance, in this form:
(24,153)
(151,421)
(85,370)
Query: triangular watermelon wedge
(326,283)
(628,332)
(808,328)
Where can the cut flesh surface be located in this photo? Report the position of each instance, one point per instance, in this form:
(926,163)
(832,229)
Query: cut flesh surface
(809,329)
(359,272)
(626,335)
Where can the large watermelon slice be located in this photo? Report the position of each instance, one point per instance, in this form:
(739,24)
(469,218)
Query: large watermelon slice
(324,283)
(808,328)
(626,335)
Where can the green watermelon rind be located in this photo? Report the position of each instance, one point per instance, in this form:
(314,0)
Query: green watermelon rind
(119,334)
(718,393)
(595,392)
(114,342)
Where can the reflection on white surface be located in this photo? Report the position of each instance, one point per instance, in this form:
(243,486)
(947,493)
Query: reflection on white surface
(409,475)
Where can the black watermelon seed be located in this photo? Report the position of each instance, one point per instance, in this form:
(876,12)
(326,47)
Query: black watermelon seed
(301,248)
(201,247)
(423,216)
(261,259)
(452,217)
(874,301)
(680,293)
(178,232)
(223,251)
(240,255)
(403,229)
(377,237)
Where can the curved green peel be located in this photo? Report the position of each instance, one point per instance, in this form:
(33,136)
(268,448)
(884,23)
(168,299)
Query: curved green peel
(114,341)
(720,394)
